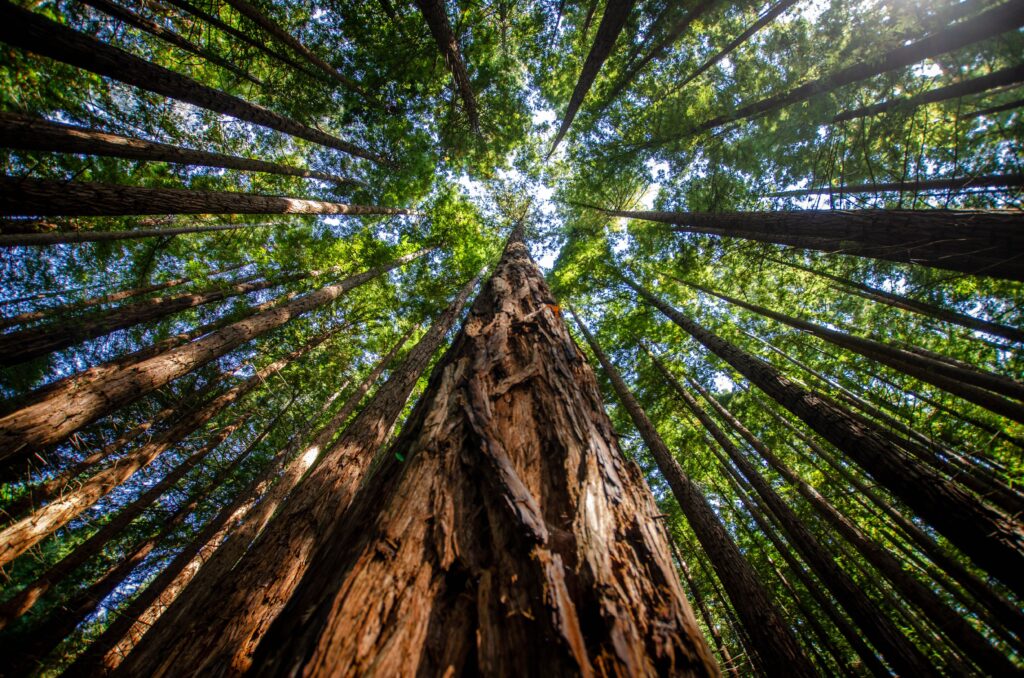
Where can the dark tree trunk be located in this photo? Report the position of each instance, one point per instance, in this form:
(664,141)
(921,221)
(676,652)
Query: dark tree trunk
(980,242)
(1008,106)
(917,186)
(70,237)
(616,12)
(233,614)
(61,411)
(435,13)
(506,518)
(49,197)
(728,664)
(39,35)
(993,541)
(35,134)
(765,624)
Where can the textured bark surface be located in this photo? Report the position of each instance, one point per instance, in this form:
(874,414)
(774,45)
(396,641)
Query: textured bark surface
(504,517)
(39,35)
(226,625)
(435,13)
(770,636)
(35,134)
(48,197)
(64,410)
(991,539)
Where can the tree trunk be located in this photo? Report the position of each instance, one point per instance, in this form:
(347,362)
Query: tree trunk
(988,537)
(698,599)
(1001,78)
(49,197)
(129,17)
(39,35)
(916,186)
(234,614)
(435,13)
(980,242)
(1008,106)
(71,237)
(901,654)
(769,633)
(35,134)
(506,518)
(616,12)
(949,621)
(103,390)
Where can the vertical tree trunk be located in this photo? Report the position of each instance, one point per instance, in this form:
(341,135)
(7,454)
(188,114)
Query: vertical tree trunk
(505,517)
(435,13)
(770,636)
(698,599)
(50,419)
(227,624)
(993,541)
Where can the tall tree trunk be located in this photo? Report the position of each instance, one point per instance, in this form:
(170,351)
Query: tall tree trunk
(992,110)
(901,654)
(507,518)
(49,197)
(129,17)
(920,307)
(236,613)
(616,12)
(71,237)
(914,186)
(35,134)
(1004,77)
(989,538)
(39,35)
(435,13)
(698,599)
(980,242)
(950,621)
(770,635)
(61,411)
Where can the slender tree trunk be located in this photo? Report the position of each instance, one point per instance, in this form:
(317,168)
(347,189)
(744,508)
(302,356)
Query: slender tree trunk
(435,13)
(510,520)
(770,635)
(129,17)
(1001,78)
(916,186)
(50,419)
(992,110)
(988,537)
(35,134)
(39,35)
(48,197)
(949,621)
(698,600)
(72,237)
(616,12)
(231,616)
(980,242)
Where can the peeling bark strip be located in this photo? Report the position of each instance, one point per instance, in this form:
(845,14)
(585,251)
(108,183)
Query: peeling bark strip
(59,412)
(39,35)
(770,636)
(614,20)
(980,242)
(48,197)
(993,541)
(515,538)
(435,13)
(36,134)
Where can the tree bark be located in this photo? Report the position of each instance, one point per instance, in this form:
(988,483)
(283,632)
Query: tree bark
(35,134)
(49,197)
(39,35)
(916,186)
(993,541)
(231,616)
(506,517)
(63,410)
(435,13)
(616,12)
(698,599)
(765,624)
(980,242)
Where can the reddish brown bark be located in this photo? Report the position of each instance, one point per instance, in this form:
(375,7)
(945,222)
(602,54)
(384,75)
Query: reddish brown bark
(63,410)
(435,13)
(505,517)
(226,625)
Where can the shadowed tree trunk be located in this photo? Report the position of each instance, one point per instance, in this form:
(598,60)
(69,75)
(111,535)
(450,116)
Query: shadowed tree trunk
(918,186)
(70,237)
(770,635)
(988,537)
(698,600)
(39,35)
(1008,106)
(59,412)
(435,13)
(35,134)
(506,518)
(236,611)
